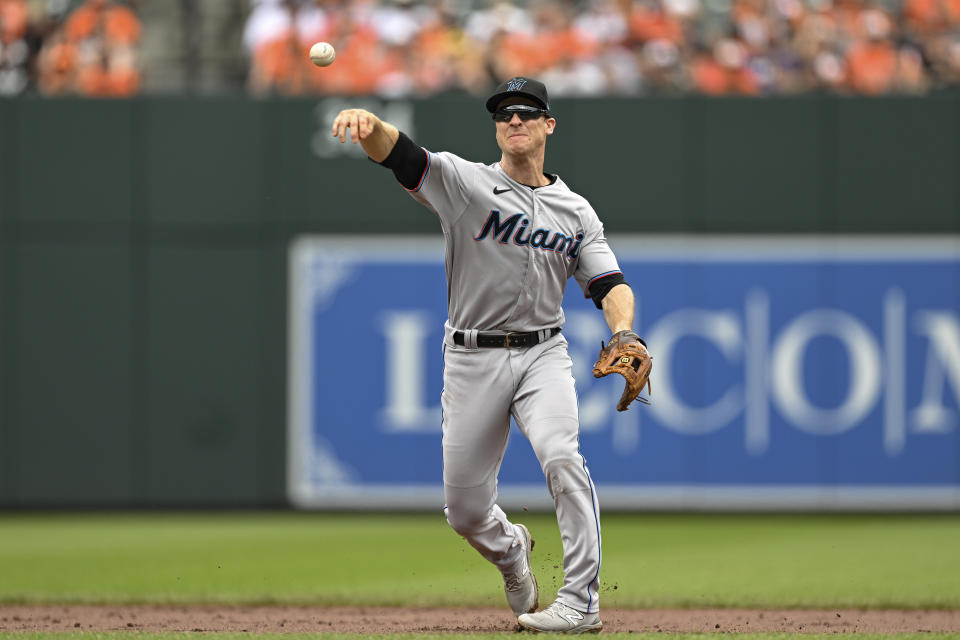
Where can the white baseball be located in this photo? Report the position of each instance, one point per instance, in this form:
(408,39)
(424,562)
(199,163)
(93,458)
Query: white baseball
(322,54)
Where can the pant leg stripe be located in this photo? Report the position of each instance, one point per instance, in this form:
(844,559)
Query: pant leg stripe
(596,519)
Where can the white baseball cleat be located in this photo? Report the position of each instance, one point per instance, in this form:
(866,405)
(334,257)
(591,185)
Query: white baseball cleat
(520,585)
(559,618)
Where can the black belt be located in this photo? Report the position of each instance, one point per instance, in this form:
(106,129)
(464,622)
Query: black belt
(508,340)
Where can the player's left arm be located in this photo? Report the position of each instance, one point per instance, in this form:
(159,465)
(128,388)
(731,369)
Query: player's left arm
(618,307)
(601,278)
(626,352)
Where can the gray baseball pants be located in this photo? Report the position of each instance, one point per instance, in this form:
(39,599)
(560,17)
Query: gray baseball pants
(482,388)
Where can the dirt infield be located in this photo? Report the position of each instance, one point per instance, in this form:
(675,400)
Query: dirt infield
(280,619)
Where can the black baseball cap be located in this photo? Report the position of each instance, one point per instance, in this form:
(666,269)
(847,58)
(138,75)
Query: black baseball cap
(519,86)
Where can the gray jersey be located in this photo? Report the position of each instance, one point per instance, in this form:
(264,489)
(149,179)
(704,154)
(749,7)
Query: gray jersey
(510,249)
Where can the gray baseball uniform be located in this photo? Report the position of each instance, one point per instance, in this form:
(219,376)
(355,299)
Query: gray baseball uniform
(510,250)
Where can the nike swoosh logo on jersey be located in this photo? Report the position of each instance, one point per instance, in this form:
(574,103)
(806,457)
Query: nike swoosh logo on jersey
(497,191)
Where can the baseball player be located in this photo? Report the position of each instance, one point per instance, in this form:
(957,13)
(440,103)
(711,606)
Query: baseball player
(514,236)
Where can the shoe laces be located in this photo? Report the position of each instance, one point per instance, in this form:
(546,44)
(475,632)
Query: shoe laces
(557,609)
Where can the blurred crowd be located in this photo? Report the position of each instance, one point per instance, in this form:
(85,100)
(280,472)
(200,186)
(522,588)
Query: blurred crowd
(57,47)
(588,47)
(397,48)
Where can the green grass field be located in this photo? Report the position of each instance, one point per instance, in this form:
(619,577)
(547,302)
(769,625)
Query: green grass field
(768,561)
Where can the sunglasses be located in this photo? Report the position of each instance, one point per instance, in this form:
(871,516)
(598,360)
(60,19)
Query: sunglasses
(523,111)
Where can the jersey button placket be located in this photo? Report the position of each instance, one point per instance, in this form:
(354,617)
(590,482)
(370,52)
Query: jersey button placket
(516,317)
(531,262)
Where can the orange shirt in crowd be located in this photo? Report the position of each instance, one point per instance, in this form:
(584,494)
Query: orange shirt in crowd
(108,82)
(646,25)
(283,66)
(361,64)
(119,23)
(563,44)
(931,16)
(57,65)
(712,78)
(93,53)
(872,67)
(13,20)
(280,65)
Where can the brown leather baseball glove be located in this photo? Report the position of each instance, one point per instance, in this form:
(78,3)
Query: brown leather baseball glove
(627,355)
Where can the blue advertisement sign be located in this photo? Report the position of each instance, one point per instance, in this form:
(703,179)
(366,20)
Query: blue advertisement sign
(815,373)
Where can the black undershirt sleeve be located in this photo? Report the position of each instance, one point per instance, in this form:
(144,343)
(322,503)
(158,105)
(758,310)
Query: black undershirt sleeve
(407,160)
(601,287)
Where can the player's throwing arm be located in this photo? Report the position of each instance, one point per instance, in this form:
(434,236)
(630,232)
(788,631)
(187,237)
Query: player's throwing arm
(375,136)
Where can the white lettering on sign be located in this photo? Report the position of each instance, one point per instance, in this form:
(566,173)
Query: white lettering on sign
(407,349)
(719,329)
(895,350)
(789,388)
(942,330)
(766,372)
(756,421)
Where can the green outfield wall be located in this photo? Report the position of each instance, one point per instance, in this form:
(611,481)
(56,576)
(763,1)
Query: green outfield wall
(143,266)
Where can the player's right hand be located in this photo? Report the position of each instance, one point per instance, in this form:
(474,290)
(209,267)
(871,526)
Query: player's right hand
(360,122)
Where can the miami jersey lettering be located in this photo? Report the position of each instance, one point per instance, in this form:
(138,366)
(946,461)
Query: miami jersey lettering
(495,281)
(559,243)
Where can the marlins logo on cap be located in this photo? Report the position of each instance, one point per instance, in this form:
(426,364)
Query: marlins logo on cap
(516,84)
(519,86)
